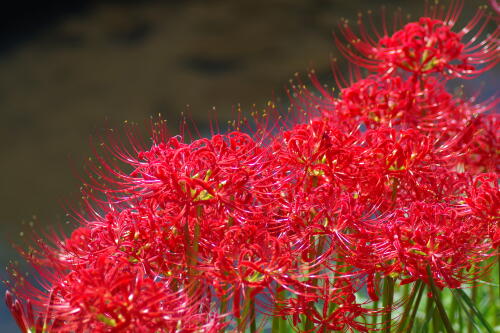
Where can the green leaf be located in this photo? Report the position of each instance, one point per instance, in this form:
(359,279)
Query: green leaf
(416,291)
(428,317)
(467,312)
(439,304)
(474,312)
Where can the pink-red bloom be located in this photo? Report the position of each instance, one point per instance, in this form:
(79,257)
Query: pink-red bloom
(427,46)
(393,177)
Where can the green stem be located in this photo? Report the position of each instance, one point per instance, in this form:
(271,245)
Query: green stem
(429,312)
(470,328)
(248,313)
(338,269)
(279,324)
(387,302)
(276,325)
(276,319)
(429,307)
(308,325)
(460,316)
(375,317)
(415,308)
(439,304)
(492,294)
(253,315)
(409,305)
(453,310)
(406,290)
(238,325)
(437,323)
(223,306)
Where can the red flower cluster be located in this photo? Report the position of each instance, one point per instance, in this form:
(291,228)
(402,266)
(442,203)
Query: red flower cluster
(394,177)
(427,46)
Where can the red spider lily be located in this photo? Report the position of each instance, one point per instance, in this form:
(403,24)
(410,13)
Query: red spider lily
(496,7)
(26,318)
(376,102)
(116,297)
(247,257)
(435,235)
(175,219)
(480,142)
(394,102)
(483,202)
(337,309)
(322,167)
(385,179)
(427,46)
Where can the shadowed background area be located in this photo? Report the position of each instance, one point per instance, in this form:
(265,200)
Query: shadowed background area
(69,69)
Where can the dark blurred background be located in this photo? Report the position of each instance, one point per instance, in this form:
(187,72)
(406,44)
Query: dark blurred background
(69,69)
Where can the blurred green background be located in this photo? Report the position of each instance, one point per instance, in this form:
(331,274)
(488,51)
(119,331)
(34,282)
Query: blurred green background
(69,69)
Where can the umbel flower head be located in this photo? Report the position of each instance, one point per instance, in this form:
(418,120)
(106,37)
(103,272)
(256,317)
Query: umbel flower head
(393,178)
(433,44)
